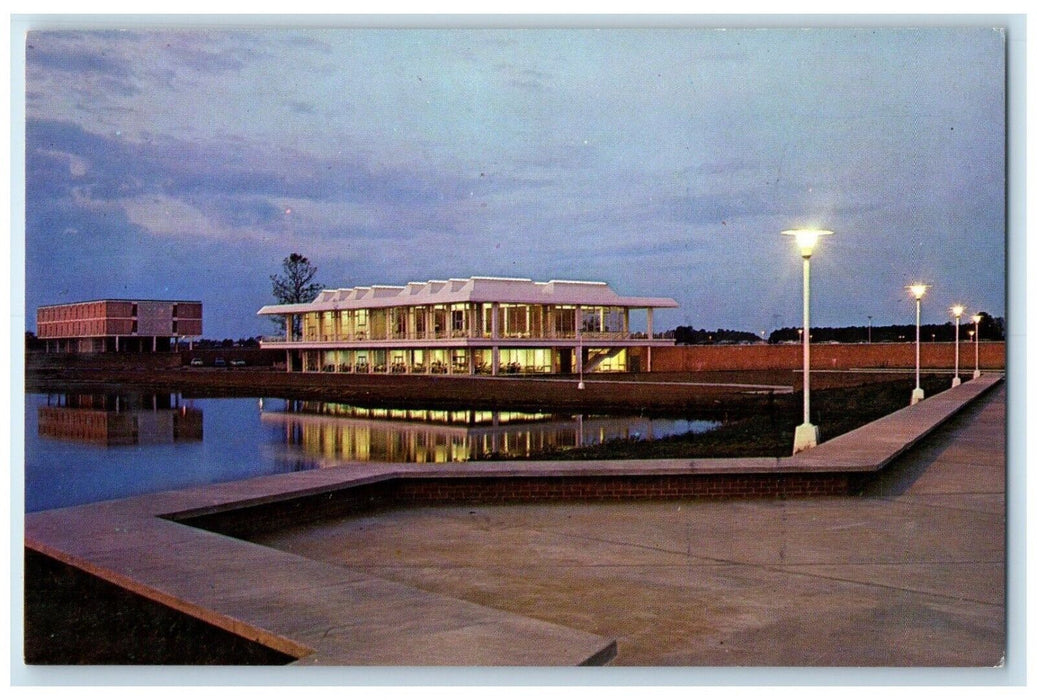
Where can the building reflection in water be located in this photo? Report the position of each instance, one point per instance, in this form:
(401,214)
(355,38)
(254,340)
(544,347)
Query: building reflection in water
(112,420)
(336,433)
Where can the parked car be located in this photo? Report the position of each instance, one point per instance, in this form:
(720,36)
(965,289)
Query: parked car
(196,362)
(219,362)
(237,362)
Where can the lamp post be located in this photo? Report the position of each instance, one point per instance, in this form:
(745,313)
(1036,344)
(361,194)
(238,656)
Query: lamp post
(579,349)
(806,239)
(957,310)
(976,319)
(918,290)
(580,385)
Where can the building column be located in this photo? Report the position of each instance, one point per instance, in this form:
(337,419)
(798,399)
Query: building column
(116,343)
(287,360)
(288,327)
(650,319)
(154,343)
(495,334)
(648,358)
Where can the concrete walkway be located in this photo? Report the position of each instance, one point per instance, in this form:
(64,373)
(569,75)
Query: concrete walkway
(909,573)
(326,610)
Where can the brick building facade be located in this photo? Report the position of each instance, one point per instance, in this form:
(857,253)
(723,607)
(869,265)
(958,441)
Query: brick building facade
(117,325)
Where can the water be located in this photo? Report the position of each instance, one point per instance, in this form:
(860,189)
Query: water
(83,448)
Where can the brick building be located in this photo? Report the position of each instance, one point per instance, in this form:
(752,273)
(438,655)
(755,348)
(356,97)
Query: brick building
(118,325)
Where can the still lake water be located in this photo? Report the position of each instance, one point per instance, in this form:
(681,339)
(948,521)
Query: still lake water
(83,448)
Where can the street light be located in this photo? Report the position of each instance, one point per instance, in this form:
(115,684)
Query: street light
(806,239)
(918,290)
(957,310)
(976,319)
(579,347)
(580,385)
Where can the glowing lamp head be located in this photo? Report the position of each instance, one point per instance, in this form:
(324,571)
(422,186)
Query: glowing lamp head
(806,238)
(957,310)
(977,318)
(918,290)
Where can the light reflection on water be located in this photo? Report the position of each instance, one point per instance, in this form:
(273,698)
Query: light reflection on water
(337,433)
(86,448)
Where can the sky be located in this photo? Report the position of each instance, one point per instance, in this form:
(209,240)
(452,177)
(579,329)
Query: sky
(186,164)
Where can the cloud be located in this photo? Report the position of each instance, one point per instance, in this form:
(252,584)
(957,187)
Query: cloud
(636,156)
(79,60)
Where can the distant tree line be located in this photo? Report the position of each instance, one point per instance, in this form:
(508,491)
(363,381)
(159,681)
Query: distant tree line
(687,335)
(990,328)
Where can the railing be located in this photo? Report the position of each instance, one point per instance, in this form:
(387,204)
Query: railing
(605,335)
(361,336)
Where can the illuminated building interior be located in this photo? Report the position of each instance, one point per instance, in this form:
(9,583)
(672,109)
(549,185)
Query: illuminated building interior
(333,433)
(479,325)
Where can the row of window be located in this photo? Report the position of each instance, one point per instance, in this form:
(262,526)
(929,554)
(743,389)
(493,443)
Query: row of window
(461,320)
(457,361)
(70,313)
(73,312)
(110,327)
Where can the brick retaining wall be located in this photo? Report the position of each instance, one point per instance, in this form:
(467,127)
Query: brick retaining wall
(249,521)
(700,358)
(595,488)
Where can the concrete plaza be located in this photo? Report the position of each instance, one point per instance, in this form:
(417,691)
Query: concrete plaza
(909,573)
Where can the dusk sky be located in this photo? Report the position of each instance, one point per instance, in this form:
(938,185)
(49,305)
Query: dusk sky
(187,164)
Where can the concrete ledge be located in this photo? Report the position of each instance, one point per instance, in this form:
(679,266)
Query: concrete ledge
(873,446)
(324,614)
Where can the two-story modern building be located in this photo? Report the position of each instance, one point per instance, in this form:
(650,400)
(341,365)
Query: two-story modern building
(478,325)
(117,325)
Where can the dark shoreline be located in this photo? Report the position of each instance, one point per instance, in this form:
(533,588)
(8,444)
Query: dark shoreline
(706,394)
(759,409)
